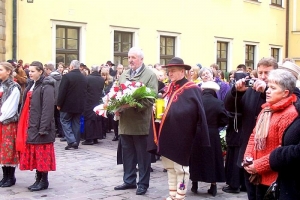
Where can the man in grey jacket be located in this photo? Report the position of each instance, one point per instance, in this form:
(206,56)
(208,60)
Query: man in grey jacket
(134,126)
(49,70)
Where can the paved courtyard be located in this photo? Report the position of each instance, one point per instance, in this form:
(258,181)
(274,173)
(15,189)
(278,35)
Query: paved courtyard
(91,172)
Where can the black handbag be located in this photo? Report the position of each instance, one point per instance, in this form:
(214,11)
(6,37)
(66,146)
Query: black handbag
(272,192)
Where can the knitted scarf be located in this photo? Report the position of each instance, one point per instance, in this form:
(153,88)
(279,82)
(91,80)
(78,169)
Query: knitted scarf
(263,122)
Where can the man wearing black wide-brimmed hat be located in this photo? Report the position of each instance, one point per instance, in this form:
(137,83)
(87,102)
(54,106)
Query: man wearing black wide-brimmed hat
(183,121)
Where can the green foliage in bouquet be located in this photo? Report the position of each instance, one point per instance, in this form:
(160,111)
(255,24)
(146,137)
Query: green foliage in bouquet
(132,99)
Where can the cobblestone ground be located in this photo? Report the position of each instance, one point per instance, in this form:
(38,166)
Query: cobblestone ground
(90,172)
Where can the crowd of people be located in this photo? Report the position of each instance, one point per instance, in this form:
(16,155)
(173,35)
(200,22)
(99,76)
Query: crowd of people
(259,108)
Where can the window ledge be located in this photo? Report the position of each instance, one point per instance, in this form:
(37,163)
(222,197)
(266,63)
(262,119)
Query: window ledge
(296,32)
(253,2)
(276,7)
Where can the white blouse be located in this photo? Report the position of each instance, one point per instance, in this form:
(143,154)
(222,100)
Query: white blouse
(10,106)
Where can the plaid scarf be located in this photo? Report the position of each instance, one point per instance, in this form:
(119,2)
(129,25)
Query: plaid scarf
(262,128)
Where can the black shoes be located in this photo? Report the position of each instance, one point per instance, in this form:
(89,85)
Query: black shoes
(11,179)
(38,177)
(229,189)
(125,186)
(95,141)
(87,142)
(141,191)
(212,190)
(71,146)
(43,184)
(194,188)
(116,138)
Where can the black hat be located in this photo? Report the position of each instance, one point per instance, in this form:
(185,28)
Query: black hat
(177,62)
(110,63)
(12,62)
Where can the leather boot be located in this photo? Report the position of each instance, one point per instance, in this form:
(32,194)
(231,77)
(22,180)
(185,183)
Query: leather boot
(43,184)
(11,180)
(212,190)
(38,177)
(5,176)
(194,188)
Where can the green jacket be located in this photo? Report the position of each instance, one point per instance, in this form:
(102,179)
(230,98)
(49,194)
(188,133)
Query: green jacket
(136,121)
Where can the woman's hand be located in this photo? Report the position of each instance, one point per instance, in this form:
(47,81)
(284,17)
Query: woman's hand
(250,169)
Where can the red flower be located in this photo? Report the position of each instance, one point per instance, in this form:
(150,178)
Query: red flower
(133,83)
(116,89)
(123,86)
(97,112)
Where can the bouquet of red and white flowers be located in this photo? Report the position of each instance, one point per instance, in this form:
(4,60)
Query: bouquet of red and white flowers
(127,94)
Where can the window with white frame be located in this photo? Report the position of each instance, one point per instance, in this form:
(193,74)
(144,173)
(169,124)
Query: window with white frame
(276,3)
(275,53)
(67,44)
(250,52)
(68,41)
(222,55)
(167,49)
(122,39)
(122,44)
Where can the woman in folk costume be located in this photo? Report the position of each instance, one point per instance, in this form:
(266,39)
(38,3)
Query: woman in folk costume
(207,163)
(277,114)
(36,129)
(9,100)
(183,120)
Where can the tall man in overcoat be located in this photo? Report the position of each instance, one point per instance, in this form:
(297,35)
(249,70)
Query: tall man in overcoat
(134,126)
(70,103)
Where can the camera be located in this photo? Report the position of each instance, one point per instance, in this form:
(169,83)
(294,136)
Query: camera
(247,161)
(249,82)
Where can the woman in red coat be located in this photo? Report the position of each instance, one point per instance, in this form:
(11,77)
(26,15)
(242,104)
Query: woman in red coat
(277,114)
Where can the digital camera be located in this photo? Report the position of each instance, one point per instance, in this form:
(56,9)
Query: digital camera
(249,82)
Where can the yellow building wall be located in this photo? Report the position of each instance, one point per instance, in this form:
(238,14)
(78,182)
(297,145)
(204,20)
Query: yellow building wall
(294,35)
(8,29)
(197,24)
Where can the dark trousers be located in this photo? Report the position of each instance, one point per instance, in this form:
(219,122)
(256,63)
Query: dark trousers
(254,192)
(116,127)
(71,125)
(134,152)
(234,173)
(57,122)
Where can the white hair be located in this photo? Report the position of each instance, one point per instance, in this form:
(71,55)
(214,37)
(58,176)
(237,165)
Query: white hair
(137,50)
(75,64)
(94,68)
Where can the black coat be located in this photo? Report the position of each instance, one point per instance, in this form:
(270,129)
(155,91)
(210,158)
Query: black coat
(41,127)
(207,163)
(72,92)
(286,161)
(183,120)
(95,84)
(249,106)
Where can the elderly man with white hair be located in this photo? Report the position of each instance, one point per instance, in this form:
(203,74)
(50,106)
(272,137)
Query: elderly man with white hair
(70,103)
(92,122)
(134,126)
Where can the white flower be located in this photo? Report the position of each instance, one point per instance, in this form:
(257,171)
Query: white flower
(127,91)
(148,90)
(127,83)
(138,84)
(119,96)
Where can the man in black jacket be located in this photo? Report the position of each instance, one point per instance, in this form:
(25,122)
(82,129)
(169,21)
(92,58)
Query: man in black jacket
(248,101)
(70,103)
